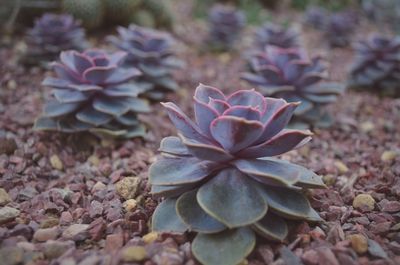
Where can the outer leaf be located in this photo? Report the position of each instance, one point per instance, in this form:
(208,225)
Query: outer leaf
(177,171)
(69,96)
(229,247)
(112,106)
(45,124)
(170,191)
(194,216)
(203,93)
(205,151)
(281,143)
(272,227)
(97,75)
(165,218)
(268,171)
(289,204)
(174,146)
(92,116)
(231,198)
(235,133)
(56,109)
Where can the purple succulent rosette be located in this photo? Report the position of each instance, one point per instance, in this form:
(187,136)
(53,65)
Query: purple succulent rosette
(276,35)
(151,52)
(221,178)
(226,23)
(291,75)
(377,66)
(51,34)
(340,28)
(91,91)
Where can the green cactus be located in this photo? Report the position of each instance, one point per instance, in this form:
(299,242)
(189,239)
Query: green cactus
(90,12)
(120,11)
(143,18)
(160,11)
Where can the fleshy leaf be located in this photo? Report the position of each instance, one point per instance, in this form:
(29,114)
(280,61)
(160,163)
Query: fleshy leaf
(229,247)
(174,146)
(69,96)
(204,116)
(203,93)
(289,203)
(170,191)
(235,133)
(176,171)
(56,109)
(115,107)
(245,112)
(231,198)
(272,227)
(250,98)
(165,218)
(271,172)
(194,216)
(92,116)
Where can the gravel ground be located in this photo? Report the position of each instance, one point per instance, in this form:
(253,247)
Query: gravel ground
(76,199)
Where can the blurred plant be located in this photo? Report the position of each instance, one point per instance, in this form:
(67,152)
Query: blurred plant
(273,34)
(151,52)
(52,34)
(226,23)
(219,179)
(340,28)
(333,5)
(316,17)
(377,65)
(92,92)
(383,12)
(120,11)
(90,12)
(291,75)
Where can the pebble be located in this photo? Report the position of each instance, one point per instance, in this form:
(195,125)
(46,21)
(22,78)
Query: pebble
(76,232)
(341,167)
(7,146)
(310,257)
(49,222)
(388,156)
(4,197)
(389,206)
(128,187)
(367,126)
(359,243)
(53,249)
(56,162)
(45,234)
(11,255)
(364,202)
(8,214)
(133,254)
(150,237)
(130,205)
(99,186)
(114,242)
(66,218)
(94,160)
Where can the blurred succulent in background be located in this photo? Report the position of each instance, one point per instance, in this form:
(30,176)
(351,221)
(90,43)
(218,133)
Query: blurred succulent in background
(151,52)
(272,34)
(219,177)
(383,12)
(340,28)
(377,65)
(291,75)
(52,34)
(92,92)
(316,17)
(226,24)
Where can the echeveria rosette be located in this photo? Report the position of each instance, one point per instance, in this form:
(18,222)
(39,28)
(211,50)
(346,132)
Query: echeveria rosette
(273,34)
(291,75)
(51,34)
(376,66)
(340,27)
(226,23)
(150,51)
(91,91)
(221,178)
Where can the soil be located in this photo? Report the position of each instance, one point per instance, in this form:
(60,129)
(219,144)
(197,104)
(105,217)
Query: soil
(77,199)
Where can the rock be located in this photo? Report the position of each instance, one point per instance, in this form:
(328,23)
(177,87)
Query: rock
(133,254)
(128,187)
(364,202)
(94,160)
(130,205)
(46,234)
(76,232)
(388,156)
(389,206)
(114,242)
(11,255)
(7,146)
(66,218)
(376,250)
(150,237)
(4,197)
(341,167)
(99,186)
(56,162)
(310,257)
(266,254)
(367,126)
(54,249)
(359,243)
(7,214)
(96,209)
(49,222)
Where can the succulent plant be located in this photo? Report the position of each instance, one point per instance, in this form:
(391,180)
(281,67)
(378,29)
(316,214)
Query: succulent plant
(52,34)
(90,12)
(383,12)
(377,65)
(220,179)
(151,52)
(272,34)
(92,92)
(316,17)
(291,75)
(340,28)
(226,24)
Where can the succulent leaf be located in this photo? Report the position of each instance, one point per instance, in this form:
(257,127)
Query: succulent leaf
(165,218)
(194,216)
(173,145)
(272,227)
(229,247)
(226,193)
